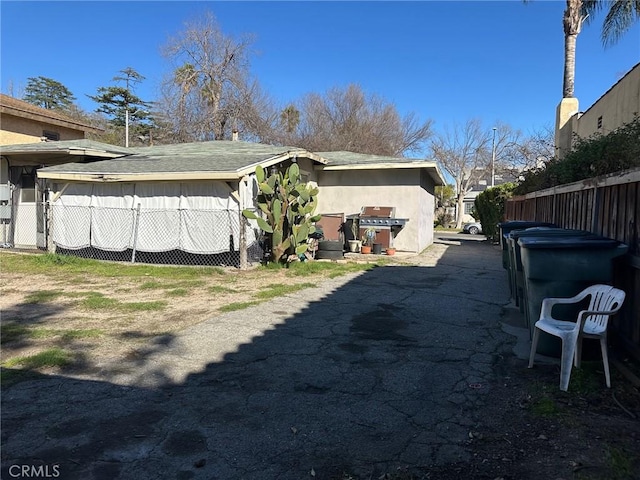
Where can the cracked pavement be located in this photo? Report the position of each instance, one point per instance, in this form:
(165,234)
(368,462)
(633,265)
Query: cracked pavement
(366,374)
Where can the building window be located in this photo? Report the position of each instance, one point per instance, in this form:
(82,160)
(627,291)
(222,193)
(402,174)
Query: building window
(27,189)
(51,136)
(468,206)
(599,122)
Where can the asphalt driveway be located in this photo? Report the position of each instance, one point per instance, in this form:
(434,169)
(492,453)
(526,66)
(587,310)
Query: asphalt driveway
(365,374)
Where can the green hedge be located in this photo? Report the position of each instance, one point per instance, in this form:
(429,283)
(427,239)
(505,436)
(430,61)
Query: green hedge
(590,157)
(489,208)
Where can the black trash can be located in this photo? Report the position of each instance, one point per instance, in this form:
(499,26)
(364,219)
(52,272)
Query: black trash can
(563,267)
(505,229)
(515,260)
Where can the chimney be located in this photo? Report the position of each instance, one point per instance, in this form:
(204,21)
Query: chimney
(234,135)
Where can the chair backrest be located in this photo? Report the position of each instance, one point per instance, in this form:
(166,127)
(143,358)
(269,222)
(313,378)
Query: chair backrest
(604,298)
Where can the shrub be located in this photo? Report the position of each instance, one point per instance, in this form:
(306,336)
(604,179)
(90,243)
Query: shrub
(489,208)
(591,157)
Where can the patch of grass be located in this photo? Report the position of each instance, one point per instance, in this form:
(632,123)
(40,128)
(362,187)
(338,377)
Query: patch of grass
(67,265)
(11,332)
(220,289)
(279,290)
(585,380)
(232,307)
(54,357)
(620,463)
(97,301)
(81,333)
(142,306)
(43,296)
(178,292)
(331,269)
(545,407)
(152,285)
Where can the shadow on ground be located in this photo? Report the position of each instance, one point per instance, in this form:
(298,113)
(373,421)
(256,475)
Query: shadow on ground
(385,372)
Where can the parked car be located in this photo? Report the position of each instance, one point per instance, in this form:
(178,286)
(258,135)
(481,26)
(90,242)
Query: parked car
(474,228)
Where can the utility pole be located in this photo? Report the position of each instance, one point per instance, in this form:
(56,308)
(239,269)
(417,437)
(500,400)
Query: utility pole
(493,158)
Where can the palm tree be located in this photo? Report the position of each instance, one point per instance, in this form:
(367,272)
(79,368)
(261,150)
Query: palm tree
(187,78)
(620,18)
(572,23)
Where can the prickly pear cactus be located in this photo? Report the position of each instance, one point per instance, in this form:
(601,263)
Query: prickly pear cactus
(287,206)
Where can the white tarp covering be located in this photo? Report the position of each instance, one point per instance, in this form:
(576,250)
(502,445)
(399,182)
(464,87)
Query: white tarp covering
(199,217)
(112,219)
(72,228)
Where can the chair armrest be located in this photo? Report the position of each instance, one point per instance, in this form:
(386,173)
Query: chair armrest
(548,303)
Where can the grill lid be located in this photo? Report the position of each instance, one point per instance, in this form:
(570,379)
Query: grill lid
(379,212)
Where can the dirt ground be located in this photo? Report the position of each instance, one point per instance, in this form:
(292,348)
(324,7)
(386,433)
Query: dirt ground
(67,312)
(528,428)
(532,430)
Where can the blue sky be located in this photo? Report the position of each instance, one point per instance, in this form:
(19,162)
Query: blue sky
(447,61)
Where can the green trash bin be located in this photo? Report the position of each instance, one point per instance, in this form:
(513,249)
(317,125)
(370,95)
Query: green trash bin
(515,259)
(505,229)
(563,267)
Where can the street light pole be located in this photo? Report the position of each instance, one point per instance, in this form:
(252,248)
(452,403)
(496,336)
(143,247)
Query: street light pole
(493,158)
(126,127)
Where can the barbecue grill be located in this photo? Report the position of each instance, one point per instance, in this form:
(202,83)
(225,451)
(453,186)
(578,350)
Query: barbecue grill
(384,220)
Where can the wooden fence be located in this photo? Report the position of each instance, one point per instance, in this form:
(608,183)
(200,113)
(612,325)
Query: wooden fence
(607,206)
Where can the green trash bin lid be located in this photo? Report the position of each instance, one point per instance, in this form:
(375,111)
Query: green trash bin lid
(568,242)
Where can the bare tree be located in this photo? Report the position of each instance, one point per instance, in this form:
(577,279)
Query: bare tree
(208,92)
(347,119)
(464,151)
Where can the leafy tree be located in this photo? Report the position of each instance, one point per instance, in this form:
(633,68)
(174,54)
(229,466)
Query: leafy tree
(445,195)
(489,207)
(122,106)
(48,93)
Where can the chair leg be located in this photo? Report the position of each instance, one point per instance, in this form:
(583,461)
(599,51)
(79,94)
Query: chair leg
(534,346)
(578,355)
(605,360)
(566,362)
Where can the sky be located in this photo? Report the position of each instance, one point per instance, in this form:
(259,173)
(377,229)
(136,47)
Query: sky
(448,61)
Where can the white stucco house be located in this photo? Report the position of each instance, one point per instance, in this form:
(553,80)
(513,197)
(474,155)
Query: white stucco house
(188,197)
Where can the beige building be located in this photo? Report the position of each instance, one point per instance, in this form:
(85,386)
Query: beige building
(620,105)
(350,181)
(22,122)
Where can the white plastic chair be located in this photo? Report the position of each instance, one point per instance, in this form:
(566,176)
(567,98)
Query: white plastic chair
(591,323)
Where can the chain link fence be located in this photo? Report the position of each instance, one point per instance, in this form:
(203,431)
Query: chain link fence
(158,236)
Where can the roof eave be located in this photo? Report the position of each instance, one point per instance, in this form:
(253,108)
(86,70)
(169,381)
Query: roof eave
(280,158)
(137,177)
(431,167)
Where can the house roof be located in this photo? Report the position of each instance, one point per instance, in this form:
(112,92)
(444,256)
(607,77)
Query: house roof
(343,160)
(22,109)
(215,160)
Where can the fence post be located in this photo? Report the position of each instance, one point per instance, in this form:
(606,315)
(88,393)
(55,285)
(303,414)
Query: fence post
(136,221)
(51,247)
(242,186)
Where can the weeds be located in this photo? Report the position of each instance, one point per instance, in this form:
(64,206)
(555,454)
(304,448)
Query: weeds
(232,307)
(43,296)
(54,357)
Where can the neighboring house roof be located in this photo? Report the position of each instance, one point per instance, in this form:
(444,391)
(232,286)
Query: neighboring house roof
(68,146)
(22,109)
(359,161)
(215,160)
